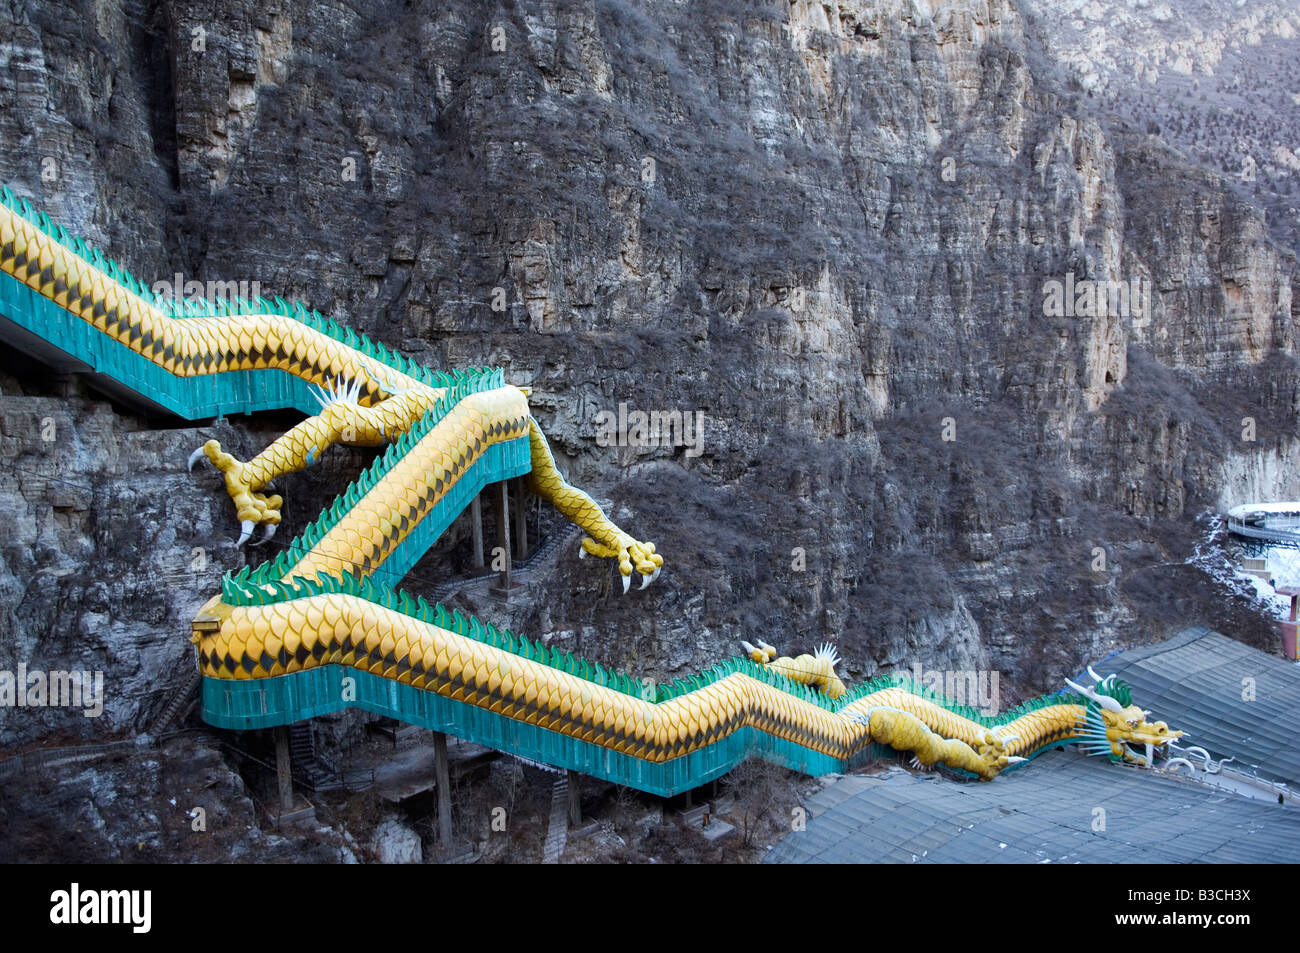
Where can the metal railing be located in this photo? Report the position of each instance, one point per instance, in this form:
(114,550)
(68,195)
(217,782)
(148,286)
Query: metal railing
(1284,529)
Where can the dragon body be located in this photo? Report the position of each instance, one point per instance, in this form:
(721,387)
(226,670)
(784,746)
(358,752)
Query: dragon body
(315,630)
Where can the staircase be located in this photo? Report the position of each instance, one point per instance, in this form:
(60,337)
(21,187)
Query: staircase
(310,769)
(557,831)
(553,542)
(536,559)
(179,704)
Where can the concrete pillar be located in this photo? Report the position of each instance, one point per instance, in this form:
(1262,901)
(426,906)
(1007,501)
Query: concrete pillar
(444,787)
(476,530)
(1291,627)
(575,799)
(501,504)
(521,519)
(283,768)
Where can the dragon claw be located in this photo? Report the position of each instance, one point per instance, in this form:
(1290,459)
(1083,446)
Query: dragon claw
(245,531)
(627,584)
(194,458)
(268,530)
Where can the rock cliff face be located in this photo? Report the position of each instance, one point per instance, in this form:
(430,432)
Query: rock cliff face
(826,227)
(1207,77)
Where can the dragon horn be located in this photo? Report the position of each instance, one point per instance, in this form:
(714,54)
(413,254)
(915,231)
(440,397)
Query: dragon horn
(1105,701)
(827,651)
(1093,675)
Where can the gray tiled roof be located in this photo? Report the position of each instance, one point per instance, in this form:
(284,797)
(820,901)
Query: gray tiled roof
(1194,681)
(1042,813)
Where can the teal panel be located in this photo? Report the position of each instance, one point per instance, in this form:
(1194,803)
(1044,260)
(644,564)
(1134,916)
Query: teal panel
(501,461)
(193,398)
(265,703)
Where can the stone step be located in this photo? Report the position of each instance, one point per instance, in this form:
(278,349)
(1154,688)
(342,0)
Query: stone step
(557,831)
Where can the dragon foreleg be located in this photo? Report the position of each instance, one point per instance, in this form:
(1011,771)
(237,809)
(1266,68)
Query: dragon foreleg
(604,538)
(906,732)
(338,422)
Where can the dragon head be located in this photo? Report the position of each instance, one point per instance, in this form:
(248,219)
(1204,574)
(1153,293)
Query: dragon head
(1114,726)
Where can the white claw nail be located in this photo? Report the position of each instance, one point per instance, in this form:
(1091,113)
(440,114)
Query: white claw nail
(270,531)
(245,531)
(194,458)
(655,575)
(627,584)
(646,580)
(582,552)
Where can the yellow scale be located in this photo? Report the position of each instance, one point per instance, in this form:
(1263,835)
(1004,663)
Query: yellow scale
(508,684)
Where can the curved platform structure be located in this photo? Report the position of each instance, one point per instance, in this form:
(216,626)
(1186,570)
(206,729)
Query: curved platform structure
(1272,522)
(312,631)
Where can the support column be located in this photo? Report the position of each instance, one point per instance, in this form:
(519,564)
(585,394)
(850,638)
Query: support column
(1291,627)
(501,504)
(283,769)
(476,530)
(521,519)
(444,787)
(575,799)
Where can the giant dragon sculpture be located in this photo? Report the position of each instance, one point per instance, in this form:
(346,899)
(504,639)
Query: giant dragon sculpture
(313,630)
